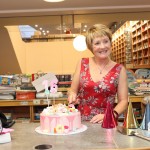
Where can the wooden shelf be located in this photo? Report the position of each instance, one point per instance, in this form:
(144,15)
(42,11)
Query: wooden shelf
(20,107)
(141,44)
(34,102)
(136,98)
(138,53)
(63,89)
(121,45)
(64,82)
(29,108)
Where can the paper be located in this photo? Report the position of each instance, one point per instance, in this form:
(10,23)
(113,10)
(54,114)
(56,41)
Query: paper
(38,83)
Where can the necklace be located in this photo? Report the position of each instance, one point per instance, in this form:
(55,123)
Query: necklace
(101,69)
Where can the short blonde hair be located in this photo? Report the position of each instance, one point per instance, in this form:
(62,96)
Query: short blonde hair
(97,30)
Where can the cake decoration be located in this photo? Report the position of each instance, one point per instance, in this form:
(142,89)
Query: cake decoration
(53,89)
(45,83)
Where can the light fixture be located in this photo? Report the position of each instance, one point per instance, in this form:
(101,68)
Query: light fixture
(79,43)
(53,1)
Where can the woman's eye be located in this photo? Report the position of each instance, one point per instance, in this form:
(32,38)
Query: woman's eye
(97,43)
(105,41)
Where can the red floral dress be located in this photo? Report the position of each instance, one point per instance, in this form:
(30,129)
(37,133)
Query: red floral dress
(94,96)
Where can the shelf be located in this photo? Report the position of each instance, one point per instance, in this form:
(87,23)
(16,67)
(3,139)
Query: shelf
(135,98)
(121,49)
(34,102)
(64,82)
(27,110)
(136,52)
(140,44)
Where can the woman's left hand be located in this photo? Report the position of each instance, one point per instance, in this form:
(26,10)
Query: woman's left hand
(97,118)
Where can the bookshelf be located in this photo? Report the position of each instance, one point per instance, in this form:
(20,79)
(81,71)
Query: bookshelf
(141,44)
(131,44)
(121,45)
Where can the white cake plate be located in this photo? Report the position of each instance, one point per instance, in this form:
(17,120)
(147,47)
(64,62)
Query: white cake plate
(82,129)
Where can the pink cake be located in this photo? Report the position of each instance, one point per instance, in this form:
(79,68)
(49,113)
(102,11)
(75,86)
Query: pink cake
(60,119)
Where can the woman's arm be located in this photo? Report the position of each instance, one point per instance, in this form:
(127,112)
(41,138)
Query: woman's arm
(122,93)
(72,94)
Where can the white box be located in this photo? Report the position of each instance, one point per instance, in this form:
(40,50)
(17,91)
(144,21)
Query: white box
(5,138)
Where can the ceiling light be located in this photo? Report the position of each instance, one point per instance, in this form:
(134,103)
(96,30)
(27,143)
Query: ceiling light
(53,1)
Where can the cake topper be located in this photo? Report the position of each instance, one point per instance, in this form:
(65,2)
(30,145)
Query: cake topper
(38,82)
(53,89)
(45,83)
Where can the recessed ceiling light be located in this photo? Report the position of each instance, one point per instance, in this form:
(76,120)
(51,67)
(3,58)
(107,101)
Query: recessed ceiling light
(53,1)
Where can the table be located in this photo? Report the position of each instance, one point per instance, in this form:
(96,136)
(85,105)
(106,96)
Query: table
(95,137)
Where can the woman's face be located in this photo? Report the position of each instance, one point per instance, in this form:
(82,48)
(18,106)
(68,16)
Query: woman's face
(101,47)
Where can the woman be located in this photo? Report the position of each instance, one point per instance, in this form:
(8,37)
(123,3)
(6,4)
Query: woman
(97,80)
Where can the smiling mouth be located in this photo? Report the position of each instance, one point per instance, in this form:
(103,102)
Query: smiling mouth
(103,52)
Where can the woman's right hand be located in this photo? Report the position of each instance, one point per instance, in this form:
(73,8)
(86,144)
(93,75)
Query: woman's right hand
(97,118)
(72,98)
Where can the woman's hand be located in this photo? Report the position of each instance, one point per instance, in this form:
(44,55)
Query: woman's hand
(97,118)
(72,98)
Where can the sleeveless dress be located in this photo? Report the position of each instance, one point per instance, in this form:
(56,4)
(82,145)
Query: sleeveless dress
(93,96)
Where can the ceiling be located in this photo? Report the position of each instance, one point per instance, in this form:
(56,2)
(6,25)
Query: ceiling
(40,7)
(72,14)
